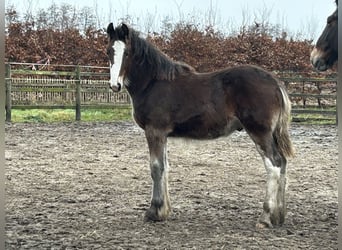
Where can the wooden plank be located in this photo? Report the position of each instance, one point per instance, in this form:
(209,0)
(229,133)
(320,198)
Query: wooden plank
(43,106)
(86,106)
(106,106)
(312,95)
(42,72)
(49,90)
(313,111)
(100,91)
(307,79)
(92,74)
(314,107)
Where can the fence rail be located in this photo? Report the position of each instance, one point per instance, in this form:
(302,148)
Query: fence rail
(82,88)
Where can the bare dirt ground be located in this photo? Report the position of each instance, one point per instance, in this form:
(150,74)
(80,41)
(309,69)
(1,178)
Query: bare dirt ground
(87,186)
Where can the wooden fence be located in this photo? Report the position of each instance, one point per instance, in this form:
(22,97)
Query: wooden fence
(82,87)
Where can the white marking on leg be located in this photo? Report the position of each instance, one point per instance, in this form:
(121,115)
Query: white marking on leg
(156,173)
(115,79)
(160,193)
(273,177)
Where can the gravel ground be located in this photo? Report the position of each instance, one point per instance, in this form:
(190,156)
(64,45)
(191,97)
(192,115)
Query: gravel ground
(87,186)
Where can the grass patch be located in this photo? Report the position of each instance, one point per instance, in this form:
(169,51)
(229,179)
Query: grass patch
(125,114)
(313,119)
(68,115)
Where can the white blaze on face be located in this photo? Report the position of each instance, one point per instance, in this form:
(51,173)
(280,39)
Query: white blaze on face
(116,82)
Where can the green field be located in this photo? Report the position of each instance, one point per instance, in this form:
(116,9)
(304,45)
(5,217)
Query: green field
(313,119)
(122,114)
(68,115)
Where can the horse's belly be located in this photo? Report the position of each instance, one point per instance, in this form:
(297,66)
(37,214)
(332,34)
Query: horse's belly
(201,130)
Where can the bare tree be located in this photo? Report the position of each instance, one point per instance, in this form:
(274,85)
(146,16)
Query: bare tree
(28,15)
(246,19)
(262,18)
(309,29)
(42,19)
(65,16)
(125,7)
(179,9)
(87,18)
(99,16)
(212,14)
(149,22)
(167,27)
(11,15)
(110,11)
(53,21)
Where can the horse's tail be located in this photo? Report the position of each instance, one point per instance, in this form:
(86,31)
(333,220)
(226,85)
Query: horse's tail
(281,133)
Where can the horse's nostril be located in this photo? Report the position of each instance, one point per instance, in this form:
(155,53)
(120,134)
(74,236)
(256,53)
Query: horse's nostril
(115,88)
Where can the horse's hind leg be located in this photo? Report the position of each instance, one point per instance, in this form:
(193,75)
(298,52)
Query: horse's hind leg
(160,202)
(274,208)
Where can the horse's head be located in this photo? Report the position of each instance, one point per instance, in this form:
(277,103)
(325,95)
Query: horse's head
(117,51)
(325,53)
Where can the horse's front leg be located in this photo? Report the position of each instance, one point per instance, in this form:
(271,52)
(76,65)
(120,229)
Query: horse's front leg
(160,203)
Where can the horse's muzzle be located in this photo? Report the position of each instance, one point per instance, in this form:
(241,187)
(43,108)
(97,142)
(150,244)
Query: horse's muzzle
(317,60)
(319,64)
(116,88)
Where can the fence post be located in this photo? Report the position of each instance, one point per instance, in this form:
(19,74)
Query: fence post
(337,102)
(8,106)
(78,93)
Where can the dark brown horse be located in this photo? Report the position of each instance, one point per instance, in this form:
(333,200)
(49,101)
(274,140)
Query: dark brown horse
(325,53)
(171,99)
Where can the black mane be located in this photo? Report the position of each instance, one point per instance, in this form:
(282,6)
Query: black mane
(156,62)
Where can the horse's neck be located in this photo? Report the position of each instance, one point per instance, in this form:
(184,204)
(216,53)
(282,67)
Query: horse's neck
(146,68)
(139,79)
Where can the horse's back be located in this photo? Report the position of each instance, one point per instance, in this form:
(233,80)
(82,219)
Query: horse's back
(250,84)
(250,75)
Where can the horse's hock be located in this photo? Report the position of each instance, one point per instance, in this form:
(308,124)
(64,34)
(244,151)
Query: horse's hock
(88,185)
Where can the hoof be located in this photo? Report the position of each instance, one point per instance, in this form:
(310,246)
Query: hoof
(262,225)
(267,220)
(154,215)
(264,221)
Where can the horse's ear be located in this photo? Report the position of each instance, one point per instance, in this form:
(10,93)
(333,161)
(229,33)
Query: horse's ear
(125,31)
(110,30)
